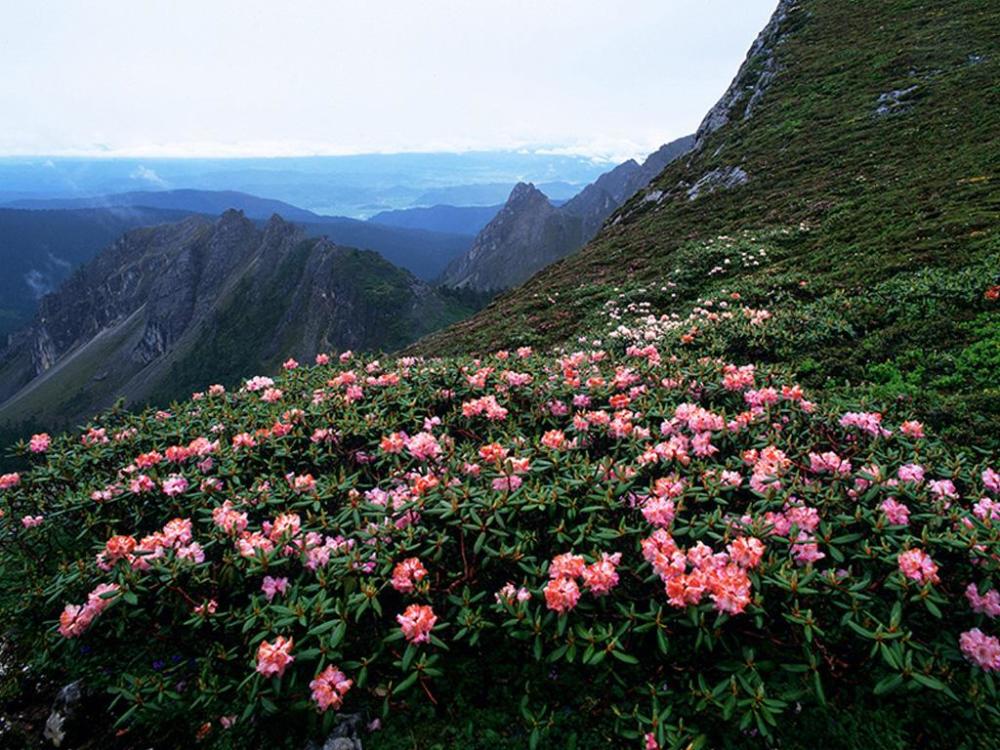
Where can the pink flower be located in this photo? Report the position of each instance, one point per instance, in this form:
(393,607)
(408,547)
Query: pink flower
(301,483)
(991,480)
(75,620)
(912,428)
(911,473)
(567,565)
(561,594)
(416,622)
(746,551)
(987,604)
(918,566)
(981,649)
(897,513)
(9,480)
(407,574)
(506,484)
(870,422)
(329,688)
(228,519)
(30,522)
(829,462)
(273,659)
(175,485)
(658,511)
(554,440)
(600,577)
(40,442)
(271,395)
(423,446)
(289,364)
(322,359)
(273,586)
(207,608)
(510,593)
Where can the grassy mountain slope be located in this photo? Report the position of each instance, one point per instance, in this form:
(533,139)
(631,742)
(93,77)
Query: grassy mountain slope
(871,187)
(167,309)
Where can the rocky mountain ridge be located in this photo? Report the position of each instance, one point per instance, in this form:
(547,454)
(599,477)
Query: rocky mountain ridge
(529,232)
(166,307)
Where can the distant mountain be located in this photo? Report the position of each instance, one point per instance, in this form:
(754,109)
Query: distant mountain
(39,249)
(356,186)
(167,309)
(600,199)
(529,232)
(468,220)
(488,193)
(212,202)
(526,235)
(424,253)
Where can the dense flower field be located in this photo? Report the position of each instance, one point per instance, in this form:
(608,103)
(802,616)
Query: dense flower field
(708,547)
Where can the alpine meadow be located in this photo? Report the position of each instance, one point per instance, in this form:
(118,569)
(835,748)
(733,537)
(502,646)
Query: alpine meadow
(697,449)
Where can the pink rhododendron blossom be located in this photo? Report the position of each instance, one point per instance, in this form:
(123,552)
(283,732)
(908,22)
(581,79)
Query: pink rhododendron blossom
(30,522)
(510,593)
(407,574)
(918,566)
(602,576)
(273,658)
(567,565)
(911,473)
(423,446)
(273,586)
(74,620)
(8,481)
(897,513)
(987,604)
(416,622)
(329,688)
(981,649)
(40,443)
(175,485)
(913,429)
(561,595)
(991,480)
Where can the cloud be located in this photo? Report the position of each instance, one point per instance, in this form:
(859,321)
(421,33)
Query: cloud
(147,175)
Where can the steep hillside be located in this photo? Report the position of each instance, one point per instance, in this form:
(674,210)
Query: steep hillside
(38,249)
(598,201)
(847,183)
(168,307)
(529,233)
(424,253)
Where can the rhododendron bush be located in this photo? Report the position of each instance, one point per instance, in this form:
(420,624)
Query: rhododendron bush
(702,548)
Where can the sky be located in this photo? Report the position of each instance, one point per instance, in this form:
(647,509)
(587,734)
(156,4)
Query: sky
(177,78)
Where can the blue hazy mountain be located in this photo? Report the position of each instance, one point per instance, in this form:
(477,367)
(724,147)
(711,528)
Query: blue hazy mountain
(355,186)
(452,219)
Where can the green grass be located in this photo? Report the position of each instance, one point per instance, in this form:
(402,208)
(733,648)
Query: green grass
(891,221)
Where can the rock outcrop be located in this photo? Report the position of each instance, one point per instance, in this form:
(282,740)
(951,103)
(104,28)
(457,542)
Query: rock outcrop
(529,233)
(169,309)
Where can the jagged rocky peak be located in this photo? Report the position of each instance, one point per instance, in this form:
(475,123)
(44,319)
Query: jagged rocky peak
(753,78)
(525,193)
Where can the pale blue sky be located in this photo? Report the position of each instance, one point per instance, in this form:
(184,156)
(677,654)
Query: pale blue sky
(263,77)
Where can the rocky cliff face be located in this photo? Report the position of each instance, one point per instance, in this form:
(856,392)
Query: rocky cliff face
(168,309)
(529,233)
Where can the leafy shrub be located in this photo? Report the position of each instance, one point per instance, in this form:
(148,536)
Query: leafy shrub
(660,550)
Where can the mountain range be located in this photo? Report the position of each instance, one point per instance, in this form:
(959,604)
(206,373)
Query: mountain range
(167,309)
(529,233)
(851,196)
